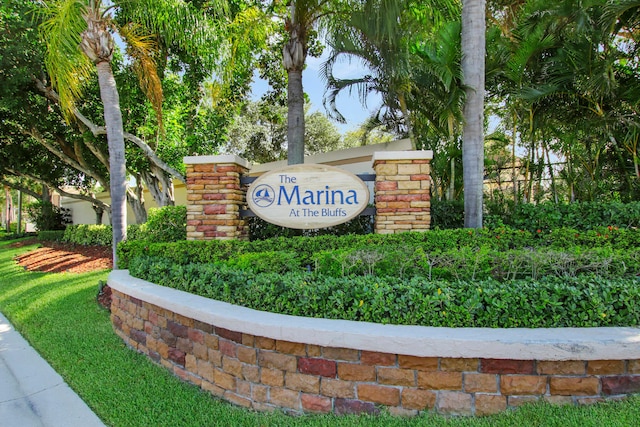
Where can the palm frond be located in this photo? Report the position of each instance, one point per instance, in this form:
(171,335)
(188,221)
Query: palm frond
(69,69)
(622,13)
(142,47)
(181,23)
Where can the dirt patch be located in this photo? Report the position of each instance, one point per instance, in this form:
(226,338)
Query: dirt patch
(60,257)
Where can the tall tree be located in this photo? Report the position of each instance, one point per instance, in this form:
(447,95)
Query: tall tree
(259,130)
(299,23)
(375,35)
(473,70)
(383,36)
(77,36)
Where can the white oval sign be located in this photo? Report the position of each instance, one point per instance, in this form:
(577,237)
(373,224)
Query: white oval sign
(308,196)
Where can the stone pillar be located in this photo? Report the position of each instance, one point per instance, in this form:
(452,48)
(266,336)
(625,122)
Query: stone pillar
(215,197)
(402,191)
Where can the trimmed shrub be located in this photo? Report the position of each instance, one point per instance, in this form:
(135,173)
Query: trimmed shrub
(165,224)
(51,236)
(585,301)
(259,229)
(406,246)
(549,216)
(88,234)
(447,214)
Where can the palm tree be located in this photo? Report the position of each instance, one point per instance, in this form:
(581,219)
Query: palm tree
(374,36)
(380,35)
(302,17)
(473,67)
(77,36)
(438,99)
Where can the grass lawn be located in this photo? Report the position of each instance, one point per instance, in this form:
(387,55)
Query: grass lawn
(58,315)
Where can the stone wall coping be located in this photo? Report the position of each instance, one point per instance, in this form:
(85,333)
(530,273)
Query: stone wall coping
(610,343)
(222,158)
(402,155)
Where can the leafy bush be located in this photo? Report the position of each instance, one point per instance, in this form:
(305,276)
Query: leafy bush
(265,262)
(447,214)
(88,234)
(165,224)
(582,216)
(585,301)
(47,216)
(51,236)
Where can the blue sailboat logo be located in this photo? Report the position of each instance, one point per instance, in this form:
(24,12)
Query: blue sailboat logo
(263,195)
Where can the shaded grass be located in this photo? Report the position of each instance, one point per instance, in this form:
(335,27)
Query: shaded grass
(58,315)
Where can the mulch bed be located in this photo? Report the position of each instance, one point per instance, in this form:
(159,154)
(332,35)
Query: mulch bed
(62,257)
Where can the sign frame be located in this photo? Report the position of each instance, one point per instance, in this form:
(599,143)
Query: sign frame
(308,196)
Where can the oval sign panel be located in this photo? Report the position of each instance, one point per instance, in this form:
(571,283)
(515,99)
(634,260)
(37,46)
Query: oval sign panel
(308,196)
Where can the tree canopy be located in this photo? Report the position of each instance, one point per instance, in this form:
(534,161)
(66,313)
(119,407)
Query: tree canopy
(561,114)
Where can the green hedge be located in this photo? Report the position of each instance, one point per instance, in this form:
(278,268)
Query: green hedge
(544,216)
(88,234)
(51,236)
(260,229)
(166,224)
(307,249)
(585,301)
(583,216)
(479,263)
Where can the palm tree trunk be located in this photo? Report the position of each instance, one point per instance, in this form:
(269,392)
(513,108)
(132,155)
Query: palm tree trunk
(514,176)
(452,178)
(473,68)
(295,118)
(552,175)
(115,140)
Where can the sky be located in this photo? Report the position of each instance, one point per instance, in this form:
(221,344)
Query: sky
(314,86)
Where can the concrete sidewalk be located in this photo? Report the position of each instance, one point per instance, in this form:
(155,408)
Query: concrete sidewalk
(31,392)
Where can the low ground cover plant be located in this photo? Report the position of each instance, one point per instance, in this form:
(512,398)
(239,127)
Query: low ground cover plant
(307,248)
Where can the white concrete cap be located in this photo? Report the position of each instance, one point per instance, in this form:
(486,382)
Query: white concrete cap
(517,343)
(223,158)
(31,392)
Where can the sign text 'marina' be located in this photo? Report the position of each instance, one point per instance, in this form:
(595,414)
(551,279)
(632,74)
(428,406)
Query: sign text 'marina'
(308,196)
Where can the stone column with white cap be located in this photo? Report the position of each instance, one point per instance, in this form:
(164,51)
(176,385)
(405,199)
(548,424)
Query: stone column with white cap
(215,197)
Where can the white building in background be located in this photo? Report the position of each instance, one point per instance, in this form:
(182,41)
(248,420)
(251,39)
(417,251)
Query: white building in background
(356,160)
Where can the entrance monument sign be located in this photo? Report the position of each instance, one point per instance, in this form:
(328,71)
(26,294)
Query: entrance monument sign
(308,196)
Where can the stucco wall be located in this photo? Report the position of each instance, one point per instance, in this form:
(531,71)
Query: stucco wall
(356,160)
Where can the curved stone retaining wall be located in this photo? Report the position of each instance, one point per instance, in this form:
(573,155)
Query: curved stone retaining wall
(265,361)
